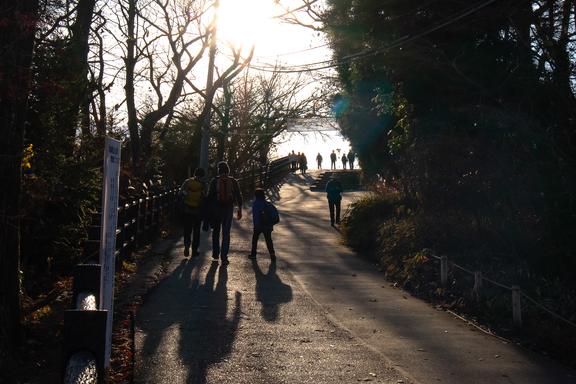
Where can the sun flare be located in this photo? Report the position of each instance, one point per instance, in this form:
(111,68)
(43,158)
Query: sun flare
(244,23)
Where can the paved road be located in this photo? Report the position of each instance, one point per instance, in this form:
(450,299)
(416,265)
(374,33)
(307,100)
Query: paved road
(320,315)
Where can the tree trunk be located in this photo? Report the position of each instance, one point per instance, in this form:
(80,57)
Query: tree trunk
(77,69)
(130,62)
(18,19)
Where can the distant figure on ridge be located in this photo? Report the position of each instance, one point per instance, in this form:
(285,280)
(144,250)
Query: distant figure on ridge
(194,192)
(344,161)
(293,159)
(319,160)
(264,217)
(303,163)
(351,158)
(224,192)
(333,160)
(334,195)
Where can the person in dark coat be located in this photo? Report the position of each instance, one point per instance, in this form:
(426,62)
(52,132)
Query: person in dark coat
(258,206)
(334,196)
(333,158)
(351,158)
(223,194)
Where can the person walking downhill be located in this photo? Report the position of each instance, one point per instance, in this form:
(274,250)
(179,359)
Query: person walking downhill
(194,192)
(334,196)
(333,160)
(224,193)
(351,159)
(319,160)
(264,217)
(344,161)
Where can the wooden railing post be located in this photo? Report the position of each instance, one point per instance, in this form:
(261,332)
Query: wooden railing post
(444,270)
(477,284)
(516,306)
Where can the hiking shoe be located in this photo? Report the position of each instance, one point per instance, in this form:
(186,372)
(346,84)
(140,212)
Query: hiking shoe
(186,251)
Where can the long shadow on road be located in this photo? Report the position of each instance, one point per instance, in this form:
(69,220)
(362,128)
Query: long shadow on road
(187,321)
(270,291)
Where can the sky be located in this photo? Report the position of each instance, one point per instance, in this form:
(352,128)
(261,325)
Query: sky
(251,21)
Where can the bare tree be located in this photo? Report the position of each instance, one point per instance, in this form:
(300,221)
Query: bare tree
(258,111)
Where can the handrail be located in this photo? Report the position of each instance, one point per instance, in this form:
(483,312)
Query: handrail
(138,221)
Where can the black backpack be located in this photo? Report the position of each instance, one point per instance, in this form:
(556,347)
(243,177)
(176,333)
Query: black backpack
(269,215)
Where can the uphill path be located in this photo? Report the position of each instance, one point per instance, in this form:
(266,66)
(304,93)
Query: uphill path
(320,314)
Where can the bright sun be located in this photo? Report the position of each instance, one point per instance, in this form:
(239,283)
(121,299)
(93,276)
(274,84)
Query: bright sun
(244,23)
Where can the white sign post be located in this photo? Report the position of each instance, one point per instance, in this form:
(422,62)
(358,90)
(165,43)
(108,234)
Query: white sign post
(108,235)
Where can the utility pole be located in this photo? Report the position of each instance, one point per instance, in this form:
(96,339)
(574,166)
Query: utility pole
(205,142)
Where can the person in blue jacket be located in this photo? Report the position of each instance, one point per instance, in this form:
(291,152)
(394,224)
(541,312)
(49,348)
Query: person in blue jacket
(334,195)
(258,209)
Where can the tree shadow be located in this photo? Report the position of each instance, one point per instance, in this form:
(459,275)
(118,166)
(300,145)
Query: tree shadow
(271,292)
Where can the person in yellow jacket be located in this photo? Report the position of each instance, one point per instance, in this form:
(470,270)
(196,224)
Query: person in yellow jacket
(193,191)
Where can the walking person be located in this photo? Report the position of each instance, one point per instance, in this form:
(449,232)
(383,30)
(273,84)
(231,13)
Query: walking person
(344,161)
(351,158)
(264,217)
(224,193)
(333,160)
(293,158)
(303,163)
(194,192)
(319,160)
(334,195)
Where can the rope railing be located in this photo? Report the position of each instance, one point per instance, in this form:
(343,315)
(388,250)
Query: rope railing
(479,278)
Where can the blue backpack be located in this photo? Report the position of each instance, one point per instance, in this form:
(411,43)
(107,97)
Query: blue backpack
(269,215)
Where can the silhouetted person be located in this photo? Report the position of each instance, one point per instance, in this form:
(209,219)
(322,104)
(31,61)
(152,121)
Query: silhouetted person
(319,160)
(194,192)
(293,159)
(351,159)
(223,194)
(262,224)
(333,158)
(303,163)
(344,161)
(334,195)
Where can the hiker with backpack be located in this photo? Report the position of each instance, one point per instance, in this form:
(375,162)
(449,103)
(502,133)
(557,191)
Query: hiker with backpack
(334,194)
(223,194)
(264,217)
(193,191)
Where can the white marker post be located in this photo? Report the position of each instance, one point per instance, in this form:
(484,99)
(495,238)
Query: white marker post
(108,236)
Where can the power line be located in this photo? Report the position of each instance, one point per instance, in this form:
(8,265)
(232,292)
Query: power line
(310,67)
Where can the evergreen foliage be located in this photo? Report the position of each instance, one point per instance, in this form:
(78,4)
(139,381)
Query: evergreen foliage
(473,115)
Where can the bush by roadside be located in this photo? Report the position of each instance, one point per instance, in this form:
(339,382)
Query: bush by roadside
(400,238)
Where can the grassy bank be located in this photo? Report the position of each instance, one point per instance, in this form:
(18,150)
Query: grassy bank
(402,238)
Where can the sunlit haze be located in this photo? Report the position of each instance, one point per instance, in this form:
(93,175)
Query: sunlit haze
(255,23)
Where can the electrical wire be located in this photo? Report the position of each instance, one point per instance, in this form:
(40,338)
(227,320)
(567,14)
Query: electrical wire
(310,67)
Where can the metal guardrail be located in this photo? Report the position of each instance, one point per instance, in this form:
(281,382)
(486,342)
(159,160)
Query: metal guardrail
(479,279)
